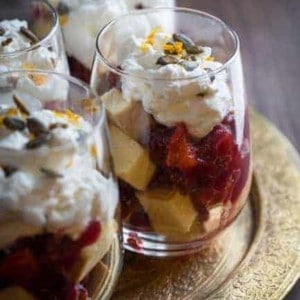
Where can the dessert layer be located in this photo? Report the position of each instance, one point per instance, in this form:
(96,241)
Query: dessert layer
(172,77)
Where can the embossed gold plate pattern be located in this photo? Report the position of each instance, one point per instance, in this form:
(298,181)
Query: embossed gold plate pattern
(258,257)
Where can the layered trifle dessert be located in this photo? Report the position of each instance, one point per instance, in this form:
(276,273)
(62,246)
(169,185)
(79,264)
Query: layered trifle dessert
(81,21)
(180,141)
(58,220)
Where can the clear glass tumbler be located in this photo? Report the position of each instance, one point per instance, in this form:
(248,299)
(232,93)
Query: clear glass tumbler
(30,37)
(172,83)
(60,218)
(81,21)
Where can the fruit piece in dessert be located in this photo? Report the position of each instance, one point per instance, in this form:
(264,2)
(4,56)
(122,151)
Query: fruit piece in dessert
(169,210)
(129,116)
(132,162)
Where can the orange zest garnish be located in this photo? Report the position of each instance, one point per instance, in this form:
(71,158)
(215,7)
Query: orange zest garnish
(144,47)
(38,79)
(210,58)
(176,48)
(149,41)
(152,34)
(69,115)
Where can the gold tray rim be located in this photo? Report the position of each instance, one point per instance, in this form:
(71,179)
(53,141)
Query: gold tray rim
(266,223)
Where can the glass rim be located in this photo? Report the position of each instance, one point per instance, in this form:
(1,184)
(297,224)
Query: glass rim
(70,79)
(112,67)
(54,28)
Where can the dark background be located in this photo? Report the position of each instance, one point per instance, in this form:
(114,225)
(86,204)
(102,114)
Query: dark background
(269,31)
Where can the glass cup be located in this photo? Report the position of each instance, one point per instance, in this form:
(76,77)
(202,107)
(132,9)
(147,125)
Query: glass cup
(171,81)
(82,20)
(30,37)
(60,219)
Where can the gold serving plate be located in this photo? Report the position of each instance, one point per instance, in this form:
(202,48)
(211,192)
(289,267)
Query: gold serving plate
(258,257)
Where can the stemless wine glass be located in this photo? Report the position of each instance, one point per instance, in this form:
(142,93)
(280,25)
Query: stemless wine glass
(82,20)
(59,221)
(171,81)
(30,37)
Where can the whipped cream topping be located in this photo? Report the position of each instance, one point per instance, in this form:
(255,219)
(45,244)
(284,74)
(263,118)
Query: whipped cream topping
(12,39)
(85,18)
(179,86)
(54,187)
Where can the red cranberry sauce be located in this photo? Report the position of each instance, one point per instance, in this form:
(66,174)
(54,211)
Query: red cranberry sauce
(78,70)
(42,264)
(211,170)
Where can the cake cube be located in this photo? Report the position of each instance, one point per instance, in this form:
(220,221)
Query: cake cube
(92,255)
(132,162)
(129,116)
(169,211)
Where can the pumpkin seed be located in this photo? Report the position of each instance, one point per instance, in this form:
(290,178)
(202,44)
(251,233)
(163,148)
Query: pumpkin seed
(13,123)
(51,173)
(2,31)
(38,141)
(20,105)
(192,49)
(9,170)
(211,76)
(29,34)
(188,43)
(166,60)
(58,125)
(185,40)
(6,42)
(36,127)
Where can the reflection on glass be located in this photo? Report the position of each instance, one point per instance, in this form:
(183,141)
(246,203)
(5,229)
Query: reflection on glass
(59,221)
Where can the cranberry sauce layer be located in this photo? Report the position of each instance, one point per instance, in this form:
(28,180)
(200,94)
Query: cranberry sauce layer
(43,264)
(212,170)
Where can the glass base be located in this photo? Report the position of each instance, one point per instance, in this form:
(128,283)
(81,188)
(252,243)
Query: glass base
(150,244)
(156,245)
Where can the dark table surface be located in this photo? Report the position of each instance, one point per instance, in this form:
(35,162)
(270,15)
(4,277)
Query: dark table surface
(269,31)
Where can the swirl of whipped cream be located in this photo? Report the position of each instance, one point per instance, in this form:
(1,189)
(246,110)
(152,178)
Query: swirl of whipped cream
(55,187)
(172,92)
